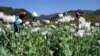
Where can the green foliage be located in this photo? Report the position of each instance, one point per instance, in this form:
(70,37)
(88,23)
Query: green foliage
(60,43)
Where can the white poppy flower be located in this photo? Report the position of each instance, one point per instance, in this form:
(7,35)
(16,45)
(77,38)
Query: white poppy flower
(51,52)
(8,26)
(92,27)
(26,28)
(27,23)
(97,24)
(9,18)
(72,18)
(80,33)
(34,23)
(72,30)
(67,27)
(24,25)
(73,24)
(45,37)
(88,28)
(88,33)
(80,26)
(16,34)
(35,29)
(60,15)
(63,19)
(34,14)
(45,32)
(67,18)
(53,26)
(2,15)
(0,29)
(49,29)
(38,22)
(56,22)
(85,25)
(29,26)
(46,21)
(99,42)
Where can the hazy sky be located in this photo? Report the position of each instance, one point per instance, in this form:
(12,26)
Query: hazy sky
(52,6)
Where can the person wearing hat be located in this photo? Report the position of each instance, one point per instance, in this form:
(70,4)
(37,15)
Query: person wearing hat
(80,20)
(18,24)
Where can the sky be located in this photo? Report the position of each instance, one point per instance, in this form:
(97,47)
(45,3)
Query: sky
(52,6)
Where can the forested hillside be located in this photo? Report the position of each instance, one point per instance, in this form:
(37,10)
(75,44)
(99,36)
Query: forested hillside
(93,16)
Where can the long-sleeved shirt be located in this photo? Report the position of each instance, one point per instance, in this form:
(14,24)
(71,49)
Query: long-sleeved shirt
(17,24)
